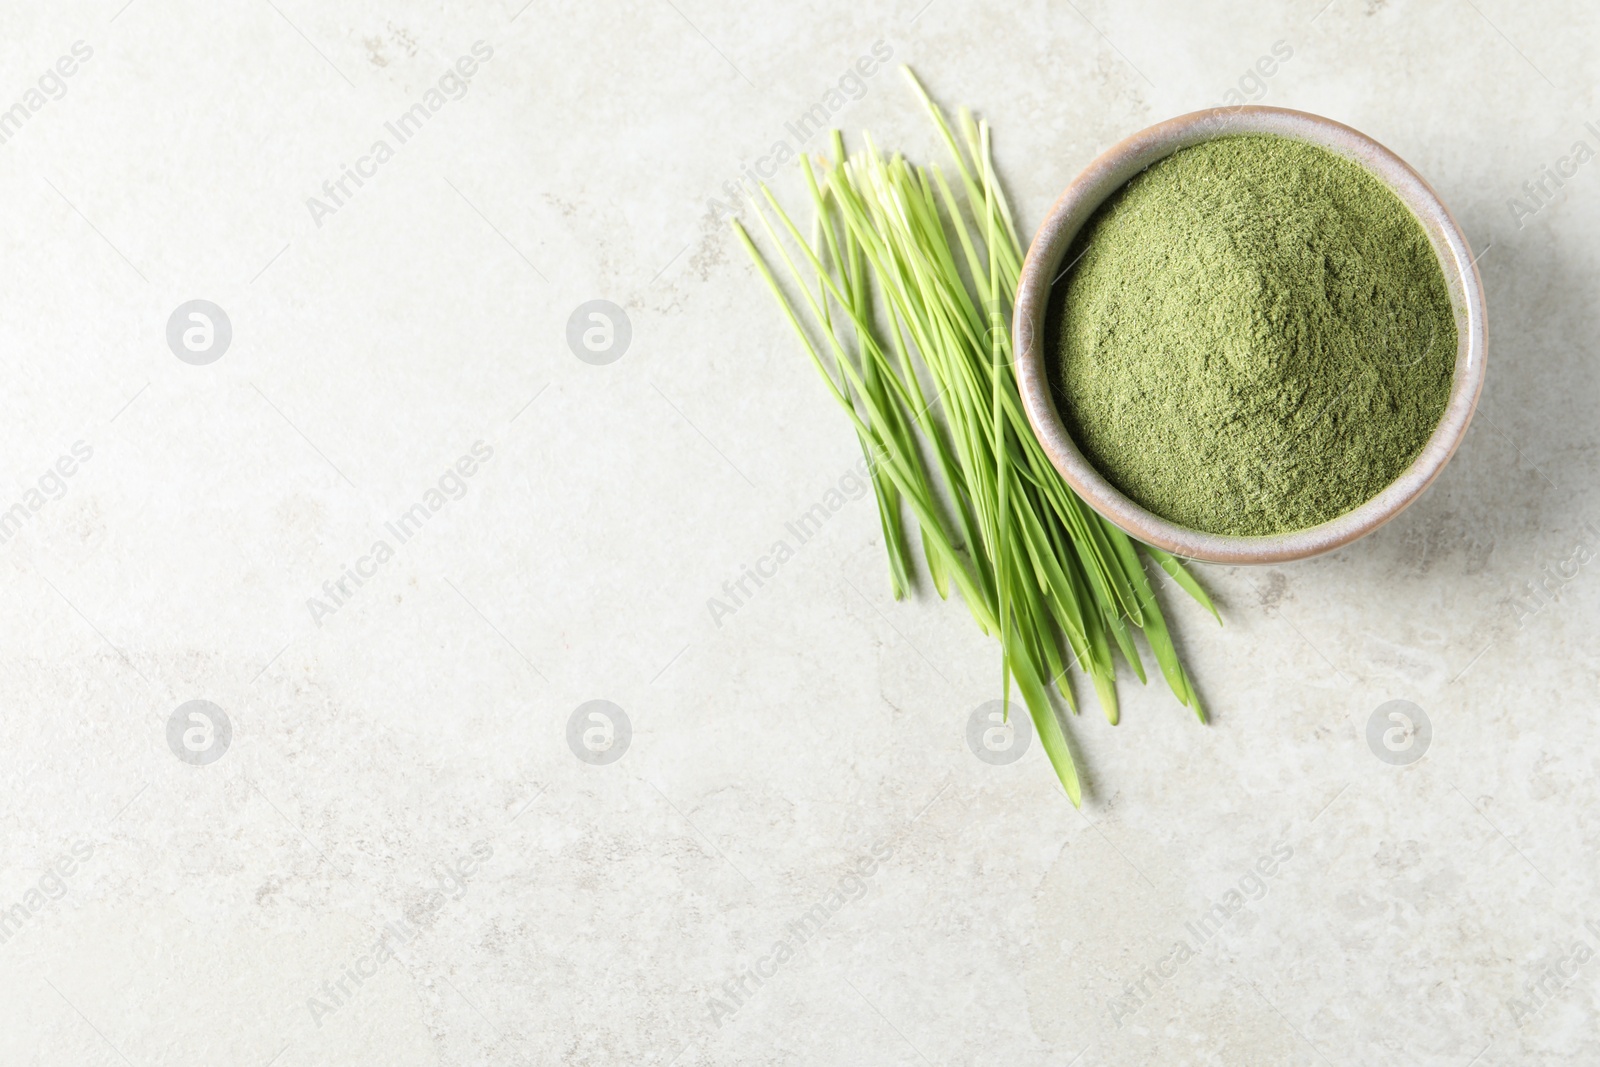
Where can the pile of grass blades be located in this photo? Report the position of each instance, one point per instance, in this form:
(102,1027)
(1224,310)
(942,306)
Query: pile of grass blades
(904,300)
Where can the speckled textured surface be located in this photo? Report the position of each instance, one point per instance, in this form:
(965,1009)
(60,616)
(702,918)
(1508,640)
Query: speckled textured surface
(796,858)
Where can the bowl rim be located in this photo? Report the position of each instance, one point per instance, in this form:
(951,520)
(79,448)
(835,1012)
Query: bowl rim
(1109,172)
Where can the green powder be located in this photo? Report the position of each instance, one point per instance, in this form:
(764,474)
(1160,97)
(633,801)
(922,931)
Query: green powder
(1256,339)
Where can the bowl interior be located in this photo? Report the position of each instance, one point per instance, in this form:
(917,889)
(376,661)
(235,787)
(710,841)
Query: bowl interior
(1109,173)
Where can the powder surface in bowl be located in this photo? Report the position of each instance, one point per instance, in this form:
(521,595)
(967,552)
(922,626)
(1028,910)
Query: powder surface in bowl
(1257,337)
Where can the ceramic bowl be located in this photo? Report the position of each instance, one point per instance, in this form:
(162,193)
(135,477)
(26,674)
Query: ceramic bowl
(1109,173)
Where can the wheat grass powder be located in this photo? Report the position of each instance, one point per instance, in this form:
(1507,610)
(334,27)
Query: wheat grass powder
(1254,336)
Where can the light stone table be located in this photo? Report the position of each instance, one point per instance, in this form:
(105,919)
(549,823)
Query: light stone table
(384,386)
